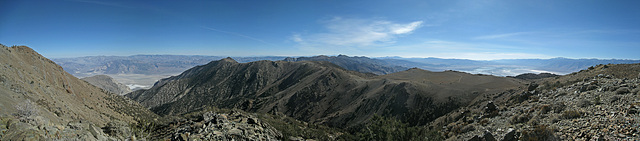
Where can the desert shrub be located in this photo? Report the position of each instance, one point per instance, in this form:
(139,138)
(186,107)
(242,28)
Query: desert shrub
(545,108)
(597,100)
(558,107)
(520,118)
(539,133)
(143,128)
(623,90)
(290,127)
(26,109)
(635,91)
(614,98)
(583,103)
(484,122)
(390,129)
(569,114)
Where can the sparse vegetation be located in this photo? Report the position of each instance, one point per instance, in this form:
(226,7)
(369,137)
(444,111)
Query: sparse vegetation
(293,128)
(520,118)
(143,128)
(622,90)
(389,129)
(583,103)
(570,114)
(545,108)
(539,133)
(26,110)
(597,100)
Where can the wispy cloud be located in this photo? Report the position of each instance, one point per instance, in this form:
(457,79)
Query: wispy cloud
(460,50)
(238,34)
(491,55)
(345,32)
(498,36)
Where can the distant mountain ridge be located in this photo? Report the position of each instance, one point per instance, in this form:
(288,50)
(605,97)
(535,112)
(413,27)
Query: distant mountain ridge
(142,71)
(174,64)
(318,92)
(360,64)
(506,67)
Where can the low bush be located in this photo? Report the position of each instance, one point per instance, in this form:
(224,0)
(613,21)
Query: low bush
(570,114)
(390,129)
(26,110)
(539,133)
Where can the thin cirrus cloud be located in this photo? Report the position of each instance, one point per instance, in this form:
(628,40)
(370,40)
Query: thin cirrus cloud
(346,32)
(499,36)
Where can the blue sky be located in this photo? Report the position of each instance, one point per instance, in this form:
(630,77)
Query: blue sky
(474,29)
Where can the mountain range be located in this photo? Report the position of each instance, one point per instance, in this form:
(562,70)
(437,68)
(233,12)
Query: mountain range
(318,92)
(174,64)
(321,98)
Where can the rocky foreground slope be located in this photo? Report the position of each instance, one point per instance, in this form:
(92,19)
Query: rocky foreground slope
(39,100)
(318,92)
(602,102)
(107,83)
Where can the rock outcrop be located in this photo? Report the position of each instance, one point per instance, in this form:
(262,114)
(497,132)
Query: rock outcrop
(107,83)
(223,126)
(534,76)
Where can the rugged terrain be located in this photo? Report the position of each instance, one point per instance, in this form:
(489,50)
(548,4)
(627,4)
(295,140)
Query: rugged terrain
(601,102)
(107,83)
(360,64)
(287,100)
(318,92)
(40,100)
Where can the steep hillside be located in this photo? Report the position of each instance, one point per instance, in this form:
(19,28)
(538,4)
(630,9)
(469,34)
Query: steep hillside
(318,92)
(107,83)
(38,92)
(599,103)
(360,64)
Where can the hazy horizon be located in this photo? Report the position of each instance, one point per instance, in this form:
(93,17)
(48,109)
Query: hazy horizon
(475,30)
(334,55)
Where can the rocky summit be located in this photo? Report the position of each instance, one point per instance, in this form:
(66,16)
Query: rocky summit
(208,125)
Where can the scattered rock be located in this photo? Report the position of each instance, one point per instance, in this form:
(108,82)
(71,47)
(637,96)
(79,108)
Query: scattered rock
(532,87)
(510,136)
(235,125)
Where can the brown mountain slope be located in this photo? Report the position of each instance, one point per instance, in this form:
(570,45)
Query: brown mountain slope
(318,92)
(107,83)
(600,103)
(58,96)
